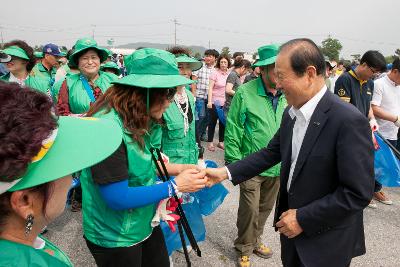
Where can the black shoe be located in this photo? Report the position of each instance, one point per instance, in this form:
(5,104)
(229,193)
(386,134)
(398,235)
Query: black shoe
(201,152)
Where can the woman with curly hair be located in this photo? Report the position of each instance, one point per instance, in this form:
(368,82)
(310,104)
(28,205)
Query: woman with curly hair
(35,170)
(120,194)
(20,66)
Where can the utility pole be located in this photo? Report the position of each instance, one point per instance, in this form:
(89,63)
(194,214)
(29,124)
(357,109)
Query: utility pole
(2,39)
(209,44)
(175,23)
(94,27)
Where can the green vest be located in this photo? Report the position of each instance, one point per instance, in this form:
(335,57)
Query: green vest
(251,123)
(121,228)
(178,147)
(19,255)
(79,101)
(40,71)
(32,81)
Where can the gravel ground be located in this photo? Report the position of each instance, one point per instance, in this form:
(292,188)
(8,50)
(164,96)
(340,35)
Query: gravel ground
(381,228)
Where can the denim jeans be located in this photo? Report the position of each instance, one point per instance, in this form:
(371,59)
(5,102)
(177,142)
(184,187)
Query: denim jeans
(201,117)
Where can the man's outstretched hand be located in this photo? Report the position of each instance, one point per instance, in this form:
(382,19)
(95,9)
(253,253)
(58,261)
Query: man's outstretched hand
(216,175)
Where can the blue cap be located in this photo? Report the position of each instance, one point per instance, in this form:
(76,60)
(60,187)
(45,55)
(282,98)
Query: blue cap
(52,49)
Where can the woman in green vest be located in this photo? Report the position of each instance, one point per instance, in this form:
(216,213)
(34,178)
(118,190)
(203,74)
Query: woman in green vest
(20,66)
(33,183)
(77,92)
(179,144)
(120,194)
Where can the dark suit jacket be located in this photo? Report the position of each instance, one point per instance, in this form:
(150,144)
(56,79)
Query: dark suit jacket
(332,183)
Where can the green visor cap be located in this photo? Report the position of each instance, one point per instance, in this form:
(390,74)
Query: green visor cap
(152,68)
(193,63)
(85,44)
(16,51)
(38,54)
(267,54)
(110,65)
(79,143)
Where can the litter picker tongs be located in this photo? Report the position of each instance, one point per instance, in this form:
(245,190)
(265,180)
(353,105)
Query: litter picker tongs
(182,222)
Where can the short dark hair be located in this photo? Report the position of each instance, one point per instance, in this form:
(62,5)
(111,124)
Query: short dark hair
(211,52)
(396,64)
(374,59)
(220,58)
(237,54)
(28,50)
(304,53)
(178,50)
(240,62)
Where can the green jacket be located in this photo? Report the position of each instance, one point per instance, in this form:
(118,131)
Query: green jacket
(251,123)
(110,228)
(19,255)
(79,101)
(178,147)
(32,81)
(40,71)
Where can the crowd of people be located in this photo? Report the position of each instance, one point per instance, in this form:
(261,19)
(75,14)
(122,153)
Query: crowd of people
(296,131)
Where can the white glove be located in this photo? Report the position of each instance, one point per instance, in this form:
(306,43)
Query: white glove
(165,214)
(374,125)
(397,122)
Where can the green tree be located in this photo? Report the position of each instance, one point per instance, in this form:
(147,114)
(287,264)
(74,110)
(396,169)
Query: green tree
(255,55)
(197,55)
(356,57)
(397,52)
(331,48)
(225,51)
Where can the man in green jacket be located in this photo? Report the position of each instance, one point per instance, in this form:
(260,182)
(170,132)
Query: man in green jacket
(254,117)
(48,65)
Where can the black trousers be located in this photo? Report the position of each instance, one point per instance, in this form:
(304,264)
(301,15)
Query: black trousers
(289,255)
(151,252)
(212,122)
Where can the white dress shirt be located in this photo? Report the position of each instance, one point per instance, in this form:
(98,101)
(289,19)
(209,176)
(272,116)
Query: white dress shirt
(303,116)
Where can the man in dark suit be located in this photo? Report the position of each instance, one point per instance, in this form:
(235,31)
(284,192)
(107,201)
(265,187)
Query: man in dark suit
(327,173)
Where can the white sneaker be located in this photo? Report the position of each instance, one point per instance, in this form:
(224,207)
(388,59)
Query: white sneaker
(372,205)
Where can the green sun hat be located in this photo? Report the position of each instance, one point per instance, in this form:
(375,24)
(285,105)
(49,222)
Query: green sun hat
(193,63)
(78,143)
(84,44)
(38,54)
(110,65)
(152,68)
(267,54)
(16,51)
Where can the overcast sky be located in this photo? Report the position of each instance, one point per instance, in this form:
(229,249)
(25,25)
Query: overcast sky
(359,25)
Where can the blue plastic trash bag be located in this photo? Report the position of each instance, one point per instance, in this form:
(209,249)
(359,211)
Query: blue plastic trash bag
(211,197)
(387,165)
(220,113)
(195,220)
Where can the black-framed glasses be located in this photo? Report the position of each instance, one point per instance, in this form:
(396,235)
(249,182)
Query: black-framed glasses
(374,72)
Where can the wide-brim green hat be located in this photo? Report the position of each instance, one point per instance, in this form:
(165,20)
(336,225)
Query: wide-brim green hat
(16,51)
(85,44)
(78,144)
(152,68)
(38,54)
(193,63)
(110,65)
(267,54)
(153,81)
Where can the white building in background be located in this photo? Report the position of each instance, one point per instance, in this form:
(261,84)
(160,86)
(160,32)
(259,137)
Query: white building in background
(122,51)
